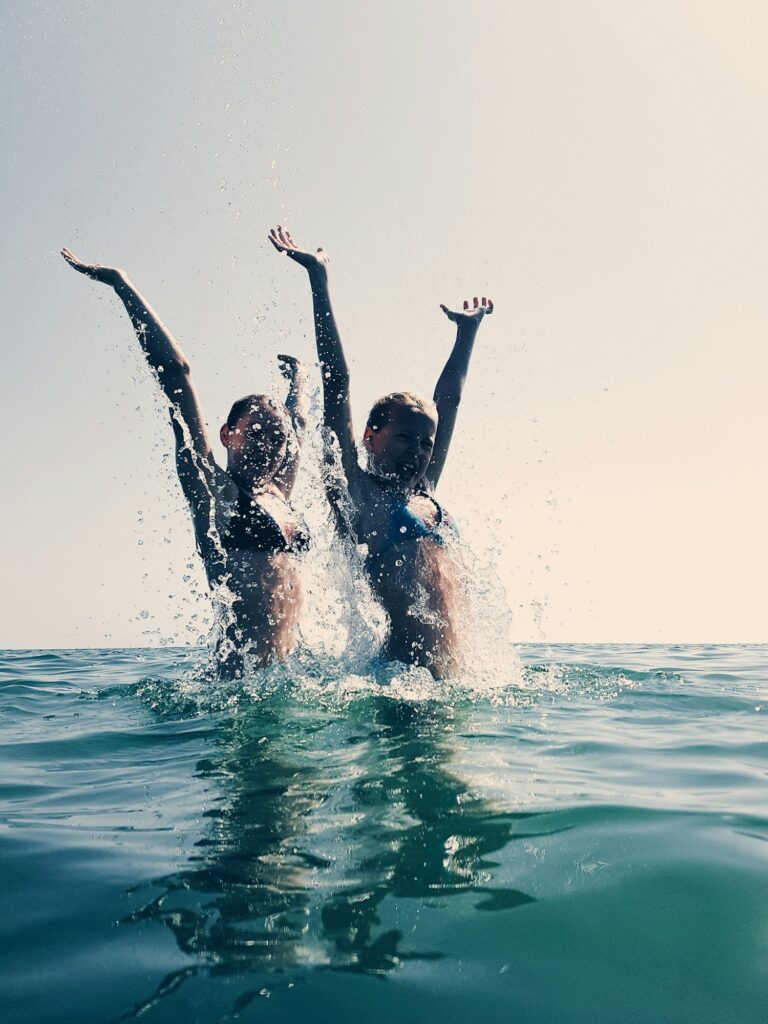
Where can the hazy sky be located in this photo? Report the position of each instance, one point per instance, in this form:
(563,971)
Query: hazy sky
(599,168)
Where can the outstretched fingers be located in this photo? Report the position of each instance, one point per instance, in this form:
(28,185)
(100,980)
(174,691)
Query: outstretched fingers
(282,240)
(280,237)
(472,310)
(77,264)
(97,272)
(71,259)
(482,306)
(275,237)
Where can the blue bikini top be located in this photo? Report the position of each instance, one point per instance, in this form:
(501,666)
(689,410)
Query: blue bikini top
(405,525)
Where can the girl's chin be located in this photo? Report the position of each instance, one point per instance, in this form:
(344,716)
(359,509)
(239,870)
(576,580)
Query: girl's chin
(406,477)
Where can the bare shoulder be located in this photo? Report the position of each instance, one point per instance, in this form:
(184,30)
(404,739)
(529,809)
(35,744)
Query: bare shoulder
(364,489)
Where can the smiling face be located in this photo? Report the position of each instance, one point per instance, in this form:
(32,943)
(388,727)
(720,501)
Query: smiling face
(401,447)
(256,442)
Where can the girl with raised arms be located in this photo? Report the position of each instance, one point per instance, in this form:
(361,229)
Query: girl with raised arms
(247,534)
(394,513)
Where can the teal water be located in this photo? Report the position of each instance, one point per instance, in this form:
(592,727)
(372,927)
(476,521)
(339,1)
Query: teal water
(586,842)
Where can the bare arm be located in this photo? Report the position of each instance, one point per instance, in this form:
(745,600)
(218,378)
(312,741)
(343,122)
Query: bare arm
(194,458)
(450,385)
(296,399)
(296,404)
(337,412)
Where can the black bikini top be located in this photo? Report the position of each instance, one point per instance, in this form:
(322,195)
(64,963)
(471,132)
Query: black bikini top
(252,528)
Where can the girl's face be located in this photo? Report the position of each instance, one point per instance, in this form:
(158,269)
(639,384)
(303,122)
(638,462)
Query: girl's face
(257,444)
(402,448)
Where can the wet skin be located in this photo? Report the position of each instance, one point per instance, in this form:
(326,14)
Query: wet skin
(260,590)
(266,586)
(416,580)
(402,448)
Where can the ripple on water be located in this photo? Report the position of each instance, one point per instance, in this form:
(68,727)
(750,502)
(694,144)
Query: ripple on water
(581,837)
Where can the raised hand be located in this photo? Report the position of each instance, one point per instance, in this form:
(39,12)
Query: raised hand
(311,261)
(470,315)
(107,275)
(290,367)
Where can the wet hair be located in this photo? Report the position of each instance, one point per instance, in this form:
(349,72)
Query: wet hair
(251,403)
(381,411)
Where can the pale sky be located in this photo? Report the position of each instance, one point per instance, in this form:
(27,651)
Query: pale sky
(599,168)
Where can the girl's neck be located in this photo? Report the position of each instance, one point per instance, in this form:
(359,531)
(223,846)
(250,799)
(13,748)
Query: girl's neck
(390,482)
(252,488)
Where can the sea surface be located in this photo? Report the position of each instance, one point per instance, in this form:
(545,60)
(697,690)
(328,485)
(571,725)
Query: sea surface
(584,840)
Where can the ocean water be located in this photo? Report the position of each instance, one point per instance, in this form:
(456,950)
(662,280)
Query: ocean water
(585,840)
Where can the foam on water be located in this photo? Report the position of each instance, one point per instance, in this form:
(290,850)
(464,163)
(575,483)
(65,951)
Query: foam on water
(337,682)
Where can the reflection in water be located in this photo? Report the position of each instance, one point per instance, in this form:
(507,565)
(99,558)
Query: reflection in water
(319,819)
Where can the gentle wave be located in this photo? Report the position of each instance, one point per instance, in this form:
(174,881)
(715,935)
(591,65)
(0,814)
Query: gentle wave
(585,839)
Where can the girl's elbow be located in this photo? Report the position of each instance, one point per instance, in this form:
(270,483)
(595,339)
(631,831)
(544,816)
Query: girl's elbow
(449,399)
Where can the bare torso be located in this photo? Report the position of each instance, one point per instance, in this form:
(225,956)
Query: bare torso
(412,572)
(268,599)
(251,551)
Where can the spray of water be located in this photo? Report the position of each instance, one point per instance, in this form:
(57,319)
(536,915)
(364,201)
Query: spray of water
(338,660)
(344,627)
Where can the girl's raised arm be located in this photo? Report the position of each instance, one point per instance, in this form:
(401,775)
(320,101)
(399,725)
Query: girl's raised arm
(194,458)
(450,384)
(337,411)
(296,404)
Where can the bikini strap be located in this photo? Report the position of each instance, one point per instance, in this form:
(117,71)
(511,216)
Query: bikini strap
(424,493)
